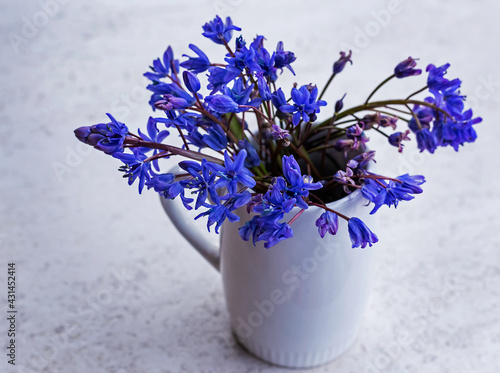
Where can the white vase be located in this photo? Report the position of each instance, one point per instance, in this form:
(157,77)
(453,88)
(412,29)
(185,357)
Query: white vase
(300,303)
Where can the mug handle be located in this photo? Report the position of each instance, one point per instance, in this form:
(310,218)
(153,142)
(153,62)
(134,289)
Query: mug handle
(191,230)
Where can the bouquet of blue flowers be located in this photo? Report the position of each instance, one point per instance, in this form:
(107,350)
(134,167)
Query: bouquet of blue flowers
(248,143)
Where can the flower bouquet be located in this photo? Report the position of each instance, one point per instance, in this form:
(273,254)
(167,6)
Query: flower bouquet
(249,142)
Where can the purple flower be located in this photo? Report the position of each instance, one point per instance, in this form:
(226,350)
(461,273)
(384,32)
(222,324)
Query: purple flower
(339,65)
(170,102)
(360,234)
(339,105)
(360,162)
(345,178)
(397,138)
(279,134)
(327,222)
(196,64)
(107,137)
(407,68)
(357,134)
(219,32)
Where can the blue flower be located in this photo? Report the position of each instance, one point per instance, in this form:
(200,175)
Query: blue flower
(219,32)
(135,167)
(217,214)
(162,70)
(154,135)
(196,64)
(278,99)
(284,58)
(360,234)
(201,183)
(412,182)
(381,192)
(107,137)
(327,222)
(305,104)
(447,132)
(406,68)
(339,65)
(436,80)
(252,159)
(265,60)
(264,91)
(243,58)
(297,188)
(221,104)
(191,82)
(218,78)
(282,232)
(425,140)
(242,95)
(271,232)
(215,138)
(233,172)
(166,185)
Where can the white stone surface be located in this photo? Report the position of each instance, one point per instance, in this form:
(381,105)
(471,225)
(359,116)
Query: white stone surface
(105,284)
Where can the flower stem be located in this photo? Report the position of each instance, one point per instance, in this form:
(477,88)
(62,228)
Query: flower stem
(132,142)
(378,87)
(326,86)
(306,158)
(329,209)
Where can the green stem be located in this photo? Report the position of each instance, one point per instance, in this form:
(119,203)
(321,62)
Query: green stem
(378,87)
(417,92)
(377,104)
(326,86)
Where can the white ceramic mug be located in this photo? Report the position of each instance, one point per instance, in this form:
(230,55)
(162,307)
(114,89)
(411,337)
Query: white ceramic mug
(299,303)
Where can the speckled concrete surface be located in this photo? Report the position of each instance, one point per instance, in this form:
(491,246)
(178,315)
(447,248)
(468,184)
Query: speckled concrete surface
(106,284)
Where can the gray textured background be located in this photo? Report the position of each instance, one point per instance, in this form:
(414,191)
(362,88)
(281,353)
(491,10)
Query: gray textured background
(106,284)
